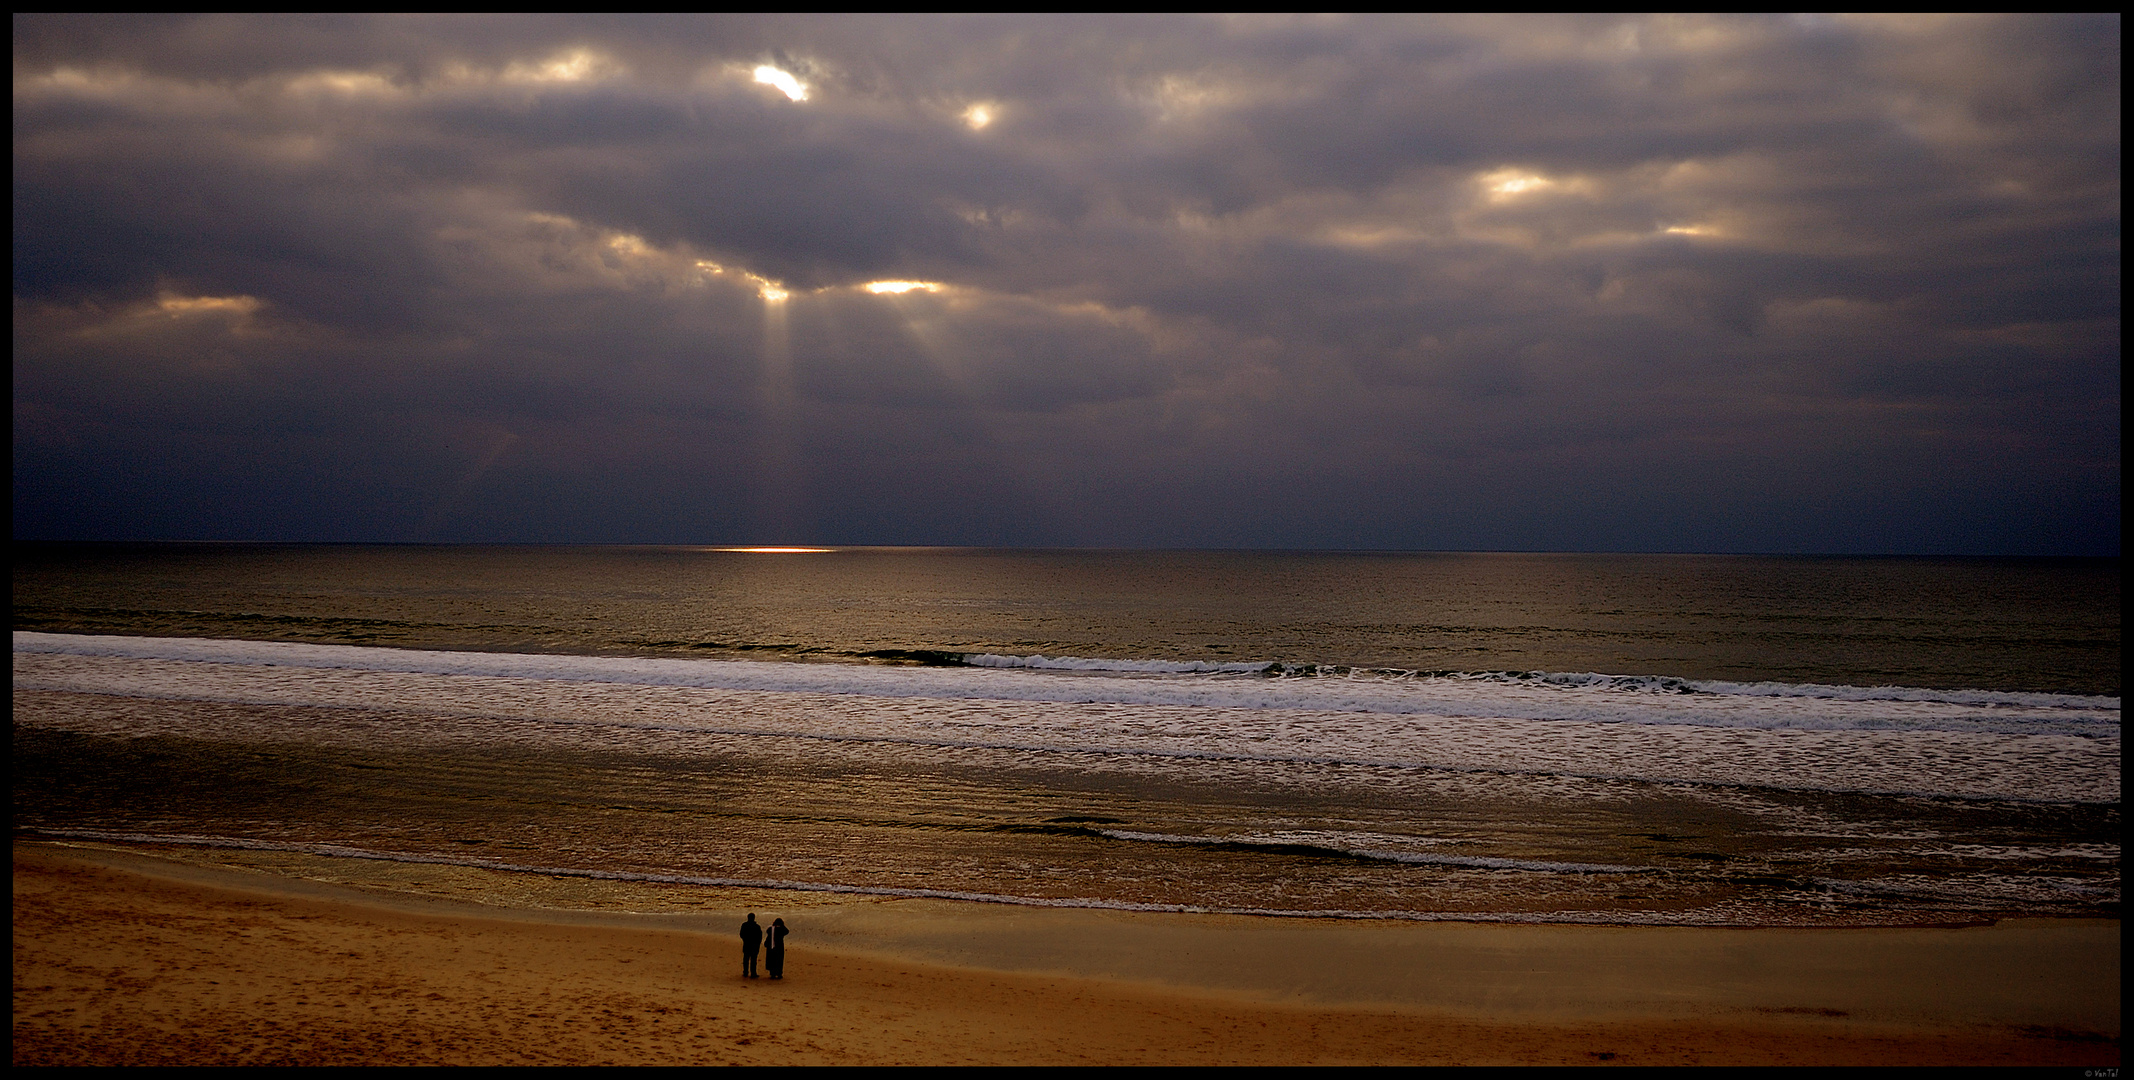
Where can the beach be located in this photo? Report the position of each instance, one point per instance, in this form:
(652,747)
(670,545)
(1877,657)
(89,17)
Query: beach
(131,957)
(1148,539)
(511,805)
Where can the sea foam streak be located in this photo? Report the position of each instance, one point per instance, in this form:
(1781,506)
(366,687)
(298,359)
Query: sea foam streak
(1901,741)
(424,858)
(1529,695)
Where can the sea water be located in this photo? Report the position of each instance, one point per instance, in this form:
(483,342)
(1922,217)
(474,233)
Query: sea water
(1628,739)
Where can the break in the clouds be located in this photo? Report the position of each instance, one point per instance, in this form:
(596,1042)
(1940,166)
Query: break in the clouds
(1726,284)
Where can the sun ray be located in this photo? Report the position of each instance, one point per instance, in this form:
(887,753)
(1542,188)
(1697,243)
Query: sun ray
(779,485)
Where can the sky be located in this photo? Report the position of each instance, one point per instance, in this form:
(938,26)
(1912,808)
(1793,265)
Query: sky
(1739,284)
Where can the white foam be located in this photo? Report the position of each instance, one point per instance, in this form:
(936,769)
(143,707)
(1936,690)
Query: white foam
(1582,697)
(1417,857)
(1101,664)
(1164,722)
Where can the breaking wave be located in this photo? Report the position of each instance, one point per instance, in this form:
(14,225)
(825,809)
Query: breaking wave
(1584,697)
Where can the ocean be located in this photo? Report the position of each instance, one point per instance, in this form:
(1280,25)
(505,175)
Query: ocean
(1627,739)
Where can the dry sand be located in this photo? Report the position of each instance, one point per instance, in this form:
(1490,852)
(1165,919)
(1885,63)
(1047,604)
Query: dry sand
(125,958)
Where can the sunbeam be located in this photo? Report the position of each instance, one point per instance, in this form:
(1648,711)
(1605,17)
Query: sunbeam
(779,487)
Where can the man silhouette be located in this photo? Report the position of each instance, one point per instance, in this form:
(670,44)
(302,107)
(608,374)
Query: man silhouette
(751,940)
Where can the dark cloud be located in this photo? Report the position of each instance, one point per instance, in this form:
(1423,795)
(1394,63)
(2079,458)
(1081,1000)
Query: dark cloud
(1776,284)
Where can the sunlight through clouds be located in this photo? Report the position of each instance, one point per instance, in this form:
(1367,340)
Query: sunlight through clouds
(1265,280)
(199,305)
(788,85)
(570,66)
(770,291)
(1505,184)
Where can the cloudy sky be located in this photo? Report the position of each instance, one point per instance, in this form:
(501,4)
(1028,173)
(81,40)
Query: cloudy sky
(1738,284)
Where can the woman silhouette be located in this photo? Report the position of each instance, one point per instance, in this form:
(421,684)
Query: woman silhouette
(774,948)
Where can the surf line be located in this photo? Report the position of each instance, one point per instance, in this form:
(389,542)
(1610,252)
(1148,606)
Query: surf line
(773,884)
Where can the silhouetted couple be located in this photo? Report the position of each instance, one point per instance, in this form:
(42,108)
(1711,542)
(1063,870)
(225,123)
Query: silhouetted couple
(772,944)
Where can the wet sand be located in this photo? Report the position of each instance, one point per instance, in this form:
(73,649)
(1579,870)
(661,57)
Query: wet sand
(126,958)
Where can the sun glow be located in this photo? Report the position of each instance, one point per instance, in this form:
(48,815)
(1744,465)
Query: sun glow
(342,82)
(1505,184)
(769,290)
(776,550)
(776,292)
(978,116)
(787,84)
(573,65)
(194,305)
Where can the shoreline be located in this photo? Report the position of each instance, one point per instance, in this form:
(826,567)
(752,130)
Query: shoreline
(121,956)
(223,851)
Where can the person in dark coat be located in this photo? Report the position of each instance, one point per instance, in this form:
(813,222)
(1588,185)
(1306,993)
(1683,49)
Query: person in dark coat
(751,938)
(774,948)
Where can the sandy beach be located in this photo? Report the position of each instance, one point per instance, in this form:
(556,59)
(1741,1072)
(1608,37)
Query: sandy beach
(126,957)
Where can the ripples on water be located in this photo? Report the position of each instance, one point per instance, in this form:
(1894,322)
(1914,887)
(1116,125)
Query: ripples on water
(1988,624)
(1042,788)
(1766,741)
